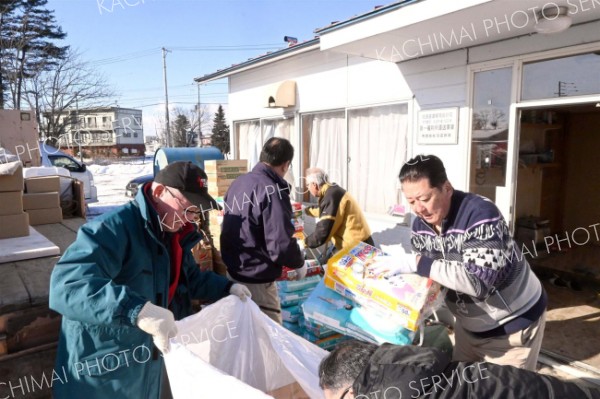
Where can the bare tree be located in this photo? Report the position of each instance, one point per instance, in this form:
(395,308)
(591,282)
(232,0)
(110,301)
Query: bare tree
(199,124)
(72,84)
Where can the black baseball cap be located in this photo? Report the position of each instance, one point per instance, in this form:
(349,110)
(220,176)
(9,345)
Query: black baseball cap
(190,180)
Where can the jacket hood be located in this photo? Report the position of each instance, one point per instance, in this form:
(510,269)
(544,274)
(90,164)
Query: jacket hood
(395,371)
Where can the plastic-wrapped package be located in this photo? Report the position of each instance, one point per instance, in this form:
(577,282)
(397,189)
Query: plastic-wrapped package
(293,327)
(318,330)
(298,285)
(291,313)
(327,343)
(328,308)
(238,340)
(294,298)
(313,269)
(366,275)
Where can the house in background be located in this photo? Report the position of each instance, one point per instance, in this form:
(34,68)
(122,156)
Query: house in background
(104,131)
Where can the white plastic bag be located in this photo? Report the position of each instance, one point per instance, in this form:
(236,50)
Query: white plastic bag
(236,338)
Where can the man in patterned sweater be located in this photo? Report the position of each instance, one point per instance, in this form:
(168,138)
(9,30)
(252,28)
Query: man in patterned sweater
(462,241)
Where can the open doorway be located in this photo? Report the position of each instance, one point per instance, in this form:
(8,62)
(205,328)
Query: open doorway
(557,213)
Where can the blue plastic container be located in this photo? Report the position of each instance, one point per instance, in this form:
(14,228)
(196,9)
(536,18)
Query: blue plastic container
(197,155)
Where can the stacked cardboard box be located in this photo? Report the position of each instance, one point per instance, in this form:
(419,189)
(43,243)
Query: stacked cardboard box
(214,222)
(14,222)
(42,200)
(220,176)
(222,173)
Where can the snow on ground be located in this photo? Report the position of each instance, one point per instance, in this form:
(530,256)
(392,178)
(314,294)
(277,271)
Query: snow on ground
(111,177)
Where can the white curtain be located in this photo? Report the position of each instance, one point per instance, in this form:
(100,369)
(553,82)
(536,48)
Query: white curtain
(328,145)
(377,139)
(249,142)
(281,128)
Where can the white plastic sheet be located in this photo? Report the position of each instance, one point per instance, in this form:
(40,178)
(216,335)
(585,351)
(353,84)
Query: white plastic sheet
(237,340)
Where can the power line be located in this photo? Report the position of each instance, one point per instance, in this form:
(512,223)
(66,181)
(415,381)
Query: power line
(152,51)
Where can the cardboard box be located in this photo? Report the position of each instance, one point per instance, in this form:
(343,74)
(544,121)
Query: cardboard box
(11,203)
(14,225)
(42,184)
(215,177)
(13,182)
(45,216)
(40,200)
(291,391)
(78,200)
(226,166)
(365,275)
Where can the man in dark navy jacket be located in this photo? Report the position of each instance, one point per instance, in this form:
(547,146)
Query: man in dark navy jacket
(256,236)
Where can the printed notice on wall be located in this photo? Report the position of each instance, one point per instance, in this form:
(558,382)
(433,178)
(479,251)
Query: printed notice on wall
(438,126)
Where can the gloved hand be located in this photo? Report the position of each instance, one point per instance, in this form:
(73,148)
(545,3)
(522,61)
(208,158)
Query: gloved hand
(408,263)
(158,322)
(301,272)
(241,291)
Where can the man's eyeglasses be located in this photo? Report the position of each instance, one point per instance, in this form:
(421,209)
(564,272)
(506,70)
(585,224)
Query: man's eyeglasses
(346,392)
(190,214)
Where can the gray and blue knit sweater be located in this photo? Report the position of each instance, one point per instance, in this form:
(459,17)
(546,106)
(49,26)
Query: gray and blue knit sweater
(492,290)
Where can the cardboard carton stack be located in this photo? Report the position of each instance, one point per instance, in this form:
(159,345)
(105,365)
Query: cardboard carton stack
(222,173)
(220,176)
(14,222)
(42,200)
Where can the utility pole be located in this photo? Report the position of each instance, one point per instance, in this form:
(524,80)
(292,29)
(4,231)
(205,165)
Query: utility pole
(199,119)
(167,132)
(78,130)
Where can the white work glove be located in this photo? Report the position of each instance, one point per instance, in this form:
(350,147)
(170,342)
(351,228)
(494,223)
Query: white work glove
(301,272)
(241,291)
(408,263)
(158,322)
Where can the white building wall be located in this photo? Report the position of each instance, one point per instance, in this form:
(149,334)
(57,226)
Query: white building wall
(327,80)
(440,81)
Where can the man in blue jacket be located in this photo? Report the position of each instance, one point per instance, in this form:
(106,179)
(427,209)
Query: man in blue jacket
(462,242)
(256,235)
(123,282)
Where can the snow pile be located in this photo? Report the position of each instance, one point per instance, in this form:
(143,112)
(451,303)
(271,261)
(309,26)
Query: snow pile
(111,180)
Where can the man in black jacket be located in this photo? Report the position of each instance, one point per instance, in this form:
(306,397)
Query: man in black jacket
(257,230)
(362,370)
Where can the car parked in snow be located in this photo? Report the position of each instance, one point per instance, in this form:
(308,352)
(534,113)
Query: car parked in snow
(53,157)
(131,188)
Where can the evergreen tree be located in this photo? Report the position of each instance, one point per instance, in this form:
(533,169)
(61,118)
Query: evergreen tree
(220,131)
(27,43)
(180,129)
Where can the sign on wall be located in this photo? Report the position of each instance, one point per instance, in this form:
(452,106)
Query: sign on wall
(438,126)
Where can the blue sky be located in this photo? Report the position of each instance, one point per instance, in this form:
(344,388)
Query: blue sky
(133,31)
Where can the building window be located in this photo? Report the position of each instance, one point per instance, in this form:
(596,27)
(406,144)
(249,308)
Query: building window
(324,143)
(377,148)
(135,134)
(561,77)
(248,140)
(362,153)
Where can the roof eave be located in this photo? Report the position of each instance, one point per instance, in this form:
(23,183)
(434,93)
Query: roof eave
(309,45)
(367,15)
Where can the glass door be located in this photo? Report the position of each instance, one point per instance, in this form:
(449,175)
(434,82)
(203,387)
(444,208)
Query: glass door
(491,161)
